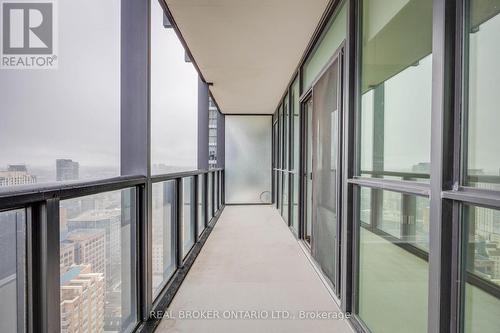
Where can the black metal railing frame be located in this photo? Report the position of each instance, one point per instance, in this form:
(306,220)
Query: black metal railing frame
(41,203)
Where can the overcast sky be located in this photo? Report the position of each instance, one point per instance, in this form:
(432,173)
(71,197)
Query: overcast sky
(74,111)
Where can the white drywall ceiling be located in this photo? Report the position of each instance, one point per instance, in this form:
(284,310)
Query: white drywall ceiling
(248,49)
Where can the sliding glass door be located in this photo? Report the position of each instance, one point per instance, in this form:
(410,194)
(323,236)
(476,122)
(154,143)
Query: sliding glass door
(322,173)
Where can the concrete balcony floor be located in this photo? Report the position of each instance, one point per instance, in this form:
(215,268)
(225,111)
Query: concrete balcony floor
(252,262)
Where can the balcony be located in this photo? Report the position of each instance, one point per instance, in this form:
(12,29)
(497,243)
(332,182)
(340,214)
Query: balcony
(227,166)
(253,275)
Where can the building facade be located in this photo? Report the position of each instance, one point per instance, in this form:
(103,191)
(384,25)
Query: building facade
(67,170)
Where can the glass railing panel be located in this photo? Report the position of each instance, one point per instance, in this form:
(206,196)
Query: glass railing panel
(210,212)
(201,207)
(188,205)
(98,262)
(12,270)
(163,234)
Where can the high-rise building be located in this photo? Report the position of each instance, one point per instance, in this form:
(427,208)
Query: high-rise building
(106,222)
(16,174)
(67,170)
(82,300)
(66,256)
(89,248)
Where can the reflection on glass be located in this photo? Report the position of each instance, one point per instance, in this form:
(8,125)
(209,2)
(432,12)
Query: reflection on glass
(97,262)
(402,216)
(398,284)
(482,135)
(201,210)
(174,99)
(187,215)
(391,221)
(163,222)
(482,269)
(12,270)
(396,89)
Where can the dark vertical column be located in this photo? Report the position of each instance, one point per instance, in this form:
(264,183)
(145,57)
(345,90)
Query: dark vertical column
(179,220)
(135,128)
(349,164)
(202,125)
(441,229)
(196,207)
(135,74)
(43,265)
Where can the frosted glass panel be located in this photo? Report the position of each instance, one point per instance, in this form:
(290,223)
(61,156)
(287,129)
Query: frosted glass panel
(248,159)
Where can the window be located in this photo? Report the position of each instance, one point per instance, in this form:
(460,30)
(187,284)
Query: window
(98,262)
(50,117)
(163,234)
(396,77)
(174,100)
(392,293)
(482,152)
(481,269)
(12,270)
(295,151)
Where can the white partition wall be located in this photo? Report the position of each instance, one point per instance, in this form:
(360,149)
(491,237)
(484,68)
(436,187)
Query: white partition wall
(248,159)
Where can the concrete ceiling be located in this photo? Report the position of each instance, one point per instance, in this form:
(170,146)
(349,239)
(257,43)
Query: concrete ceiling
(248,49)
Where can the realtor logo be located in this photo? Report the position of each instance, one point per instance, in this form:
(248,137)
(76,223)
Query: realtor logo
(28,34)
